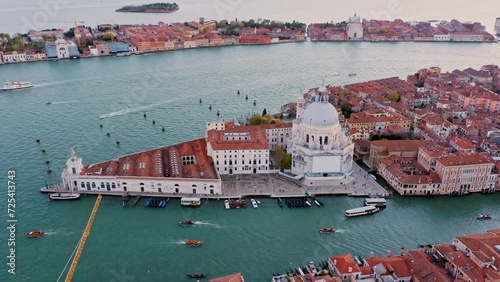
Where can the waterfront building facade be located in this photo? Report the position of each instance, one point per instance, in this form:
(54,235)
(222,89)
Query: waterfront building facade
(61,49)
(318,145)
(13,57)
(181,169)
(466,174)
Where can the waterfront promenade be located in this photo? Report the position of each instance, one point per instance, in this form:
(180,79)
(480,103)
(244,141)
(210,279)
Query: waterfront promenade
(271,185)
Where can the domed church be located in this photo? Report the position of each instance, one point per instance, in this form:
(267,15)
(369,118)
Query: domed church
(318,145)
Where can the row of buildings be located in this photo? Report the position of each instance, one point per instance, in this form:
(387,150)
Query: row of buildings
(470,258)
(399,30)
(443,129)
(107,39)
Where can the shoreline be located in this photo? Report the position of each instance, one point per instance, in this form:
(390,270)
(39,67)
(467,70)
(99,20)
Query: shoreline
(247,44)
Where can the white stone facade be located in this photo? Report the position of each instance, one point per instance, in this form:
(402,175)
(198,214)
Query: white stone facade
(354,28)
(318,146)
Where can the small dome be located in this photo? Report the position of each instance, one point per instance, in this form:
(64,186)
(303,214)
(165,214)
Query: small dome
(320,114)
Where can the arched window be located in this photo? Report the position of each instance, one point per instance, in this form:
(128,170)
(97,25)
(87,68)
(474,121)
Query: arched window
(321,140)
(307,138)
(326,140)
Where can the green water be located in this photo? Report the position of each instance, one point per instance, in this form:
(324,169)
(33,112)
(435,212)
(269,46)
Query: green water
(146,243)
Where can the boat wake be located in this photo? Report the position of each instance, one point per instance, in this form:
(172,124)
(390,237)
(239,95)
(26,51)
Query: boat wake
(207,224)
(177,242)
(136,109)
(340,231)
(65,102)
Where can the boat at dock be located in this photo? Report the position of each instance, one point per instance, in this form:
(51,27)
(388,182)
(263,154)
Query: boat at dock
(280,202)
(483,216)
(361,211)
(64,196)
(254,203)
(226,204)
(8,86)
(197,275)
(35,234)
(373,176)
(327,230)
(378,202)
(193,243)
(187,222)
(190,201)
(243,203)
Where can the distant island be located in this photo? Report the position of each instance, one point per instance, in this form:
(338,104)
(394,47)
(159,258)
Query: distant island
(150,8)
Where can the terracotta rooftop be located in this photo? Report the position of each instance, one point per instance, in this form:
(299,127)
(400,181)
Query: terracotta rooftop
(238,138)
(229,278)
(393,264)
(160,162)
(465,160)
(344,263)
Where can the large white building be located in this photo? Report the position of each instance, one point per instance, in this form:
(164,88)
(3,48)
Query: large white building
(318,145)
(355,28)
(181,169)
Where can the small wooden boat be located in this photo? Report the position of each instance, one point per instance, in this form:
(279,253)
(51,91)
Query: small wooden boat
(197,275)
(232,204)
(34,234)
(243,203)
(327,230)
(193,243)
(484,216)
(187,222)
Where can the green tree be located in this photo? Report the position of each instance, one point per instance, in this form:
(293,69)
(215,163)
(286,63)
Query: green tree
(395,97)
(264,112)
(286,161)
(384,30)
(267,118)
(344,92)
(255,120)
(346,110)
(202,20)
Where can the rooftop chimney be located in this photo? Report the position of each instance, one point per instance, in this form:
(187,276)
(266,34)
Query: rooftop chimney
(389,253)
(371,255)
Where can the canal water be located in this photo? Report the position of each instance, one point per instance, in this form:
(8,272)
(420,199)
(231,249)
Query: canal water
(146,244)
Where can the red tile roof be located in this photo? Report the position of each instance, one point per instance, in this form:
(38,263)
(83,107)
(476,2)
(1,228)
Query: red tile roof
(393,264)
(229,278)
(160,162)
(465,160)
(345,262)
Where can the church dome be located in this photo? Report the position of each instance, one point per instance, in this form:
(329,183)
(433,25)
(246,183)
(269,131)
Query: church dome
(320,114)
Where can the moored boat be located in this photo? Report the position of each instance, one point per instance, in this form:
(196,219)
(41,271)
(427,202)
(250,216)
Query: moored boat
(361,211)
(254,203)
(483,216)
(64,196)
(7,86)
(243,203)
(226,204)
(187,222)
(373,176)
(193,243)
(197,275)
(34,234)
(190,201)
(327,230)
(378,202)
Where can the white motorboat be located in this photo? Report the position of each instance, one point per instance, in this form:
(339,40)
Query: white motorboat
(317,203)
(373,176)
(16,85)
(258,202)
(254,203)
(226,204)
(64,196)
(307,203)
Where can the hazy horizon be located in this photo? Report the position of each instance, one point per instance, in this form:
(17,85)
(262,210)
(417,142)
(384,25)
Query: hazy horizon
(22,16)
